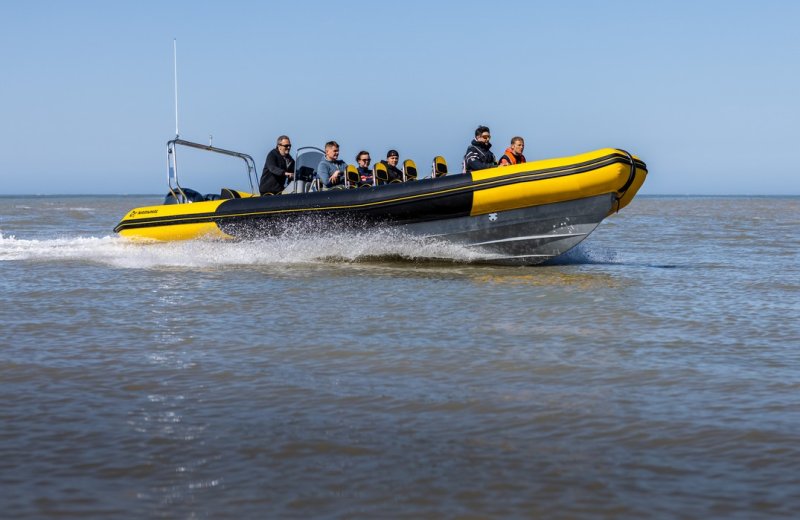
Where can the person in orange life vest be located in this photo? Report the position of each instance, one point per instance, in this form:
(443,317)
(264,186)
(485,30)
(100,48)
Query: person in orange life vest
(513,154)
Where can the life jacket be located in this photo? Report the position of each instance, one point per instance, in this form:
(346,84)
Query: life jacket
(509,158)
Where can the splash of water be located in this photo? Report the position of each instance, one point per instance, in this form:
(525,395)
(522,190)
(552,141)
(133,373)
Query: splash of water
(584,254)
(383,244)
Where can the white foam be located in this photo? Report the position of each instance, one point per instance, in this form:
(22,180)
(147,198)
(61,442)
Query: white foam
(121,252)
(585,254)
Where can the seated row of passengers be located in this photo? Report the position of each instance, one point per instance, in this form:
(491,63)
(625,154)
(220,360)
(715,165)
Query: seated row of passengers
(331,171)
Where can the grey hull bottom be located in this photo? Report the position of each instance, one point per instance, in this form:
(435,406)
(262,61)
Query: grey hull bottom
(522,236)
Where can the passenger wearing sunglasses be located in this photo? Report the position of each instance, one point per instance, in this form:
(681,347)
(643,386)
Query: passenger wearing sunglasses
(479,155)
(364,171)
(278,168)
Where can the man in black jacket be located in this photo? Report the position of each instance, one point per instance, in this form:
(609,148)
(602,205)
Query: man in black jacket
(479,156)
(395,173)
(278,167)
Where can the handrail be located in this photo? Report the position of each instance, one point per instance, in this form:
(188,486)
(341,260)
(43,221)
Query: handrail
(172,165)
(624,189)
(320,150)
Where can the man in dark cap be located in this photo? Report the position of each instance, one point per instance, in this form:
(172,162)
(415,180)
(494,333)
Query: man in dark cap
(395,173)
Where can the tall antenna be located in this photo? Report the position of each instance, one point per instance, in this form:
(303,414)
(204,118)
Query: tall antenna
(175,71)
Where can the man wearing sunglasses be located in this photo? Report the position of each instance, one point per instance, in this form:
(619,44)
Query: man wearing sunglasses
(479,155)
(278,168)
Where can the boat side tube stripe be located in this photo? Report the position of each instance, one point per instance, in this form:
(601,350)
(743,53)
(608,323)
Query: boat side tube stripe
(382,202)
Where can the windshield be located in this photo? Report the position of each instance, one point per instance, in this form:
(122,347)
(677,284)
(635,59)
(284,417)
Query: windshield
(308,158)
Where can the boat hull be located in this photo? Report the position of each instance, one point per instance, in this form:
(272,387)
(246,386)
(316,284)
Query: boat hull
(522,214)
(525,236)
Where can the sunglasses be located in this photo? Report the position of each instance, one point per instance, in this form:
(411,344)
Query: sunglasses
(365,159)
(285,145)
(486,136)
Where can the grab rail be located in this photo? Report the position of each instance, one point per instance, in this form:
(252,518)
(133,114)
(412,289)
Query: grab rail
(172,165)
(624,189)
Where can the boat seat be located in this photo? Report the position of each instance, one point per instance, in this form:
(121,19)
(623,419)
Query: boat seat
(439,167)
(409,170)
(351,177)
(227,193)
(305,173)
(191,196)
(380,174)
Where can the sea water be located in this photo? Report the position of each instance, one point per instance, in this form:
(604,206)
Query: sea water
(652,372)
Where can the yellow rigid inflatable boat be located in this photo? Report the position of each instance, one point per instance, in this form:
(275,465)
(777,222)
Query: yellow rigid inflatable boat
(520,214)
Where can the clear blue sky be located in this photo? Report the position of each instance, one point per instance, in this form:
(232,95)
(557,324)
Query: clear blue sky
(706,92)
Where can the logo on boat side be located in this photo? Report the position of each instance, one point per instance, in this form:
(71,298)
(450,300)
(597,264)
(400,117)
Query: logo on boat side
(142,212)
(492,217)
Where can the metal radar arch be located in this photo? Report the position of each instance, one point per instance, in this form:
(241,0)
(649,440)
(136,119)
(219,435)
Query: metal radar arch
(172,156)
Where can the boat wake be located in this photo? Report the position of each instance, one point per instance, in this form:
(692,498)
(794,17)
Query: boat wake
(299,248)
(583,254)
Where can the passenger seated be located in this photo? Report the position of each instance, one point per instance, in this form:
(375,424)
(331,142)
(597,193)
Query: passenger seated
(364,172)
(513,154)
(331,169)
(392,158)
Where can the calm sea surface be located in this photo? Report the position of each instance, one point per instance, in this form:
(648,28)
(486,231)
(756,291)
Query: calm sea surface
(654,372)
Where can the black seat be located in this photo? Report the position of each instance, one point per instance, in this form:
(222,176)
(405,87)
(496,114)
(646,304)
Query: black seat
(227,193)
(305,173)
(190,194)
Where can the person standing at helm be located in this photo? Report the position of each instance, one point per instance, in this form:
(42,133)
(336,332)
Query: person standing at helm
(278,167)
(479,155)
(513,154)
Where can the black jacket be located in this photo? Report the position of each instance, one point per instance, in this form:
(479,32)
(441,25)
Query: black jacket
(479,157)
(273,177)
(395,174)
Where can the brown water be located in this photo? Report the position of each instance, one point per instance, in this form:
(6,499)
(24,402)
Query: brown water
(654,372)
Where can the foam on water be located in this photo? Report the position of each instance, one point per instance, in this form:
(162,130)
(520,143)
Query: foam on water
(584,254)
(287,249)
